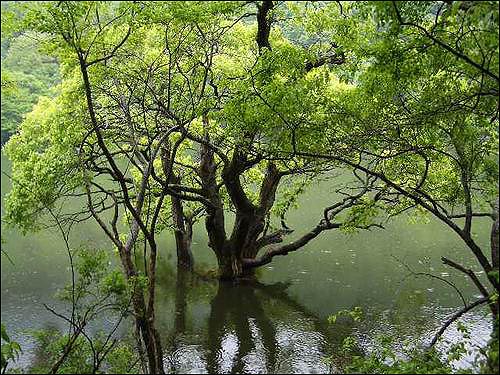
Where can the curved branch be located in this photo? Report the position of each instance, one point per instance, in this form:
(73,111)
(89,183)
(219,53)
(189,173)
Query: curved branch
(454,317)
(476,250)
(475,280)
(293,246)
(272,238)
(474,214)
(113,52)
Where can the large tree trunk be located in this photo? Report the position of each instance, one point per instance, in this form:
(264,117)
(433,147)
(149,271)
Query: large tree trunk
(248,248)
(249,223)
(230,264)
(152,344)
(182,226)
(183,235)
(242,244)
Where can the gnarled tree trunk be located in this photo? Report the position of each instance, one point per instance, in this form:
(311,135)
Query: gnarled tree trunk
(230,264)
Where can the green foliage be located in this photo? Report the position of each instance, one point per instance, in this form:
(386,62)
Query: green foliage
(417,362)
(360,215)
(388,355)
(289,196)
(123,359)
(10,349)
(356,314)
(50,344)
(44,156)
(491,362)
(98,287)
(410,80)
(385,359)
(495,273)
(391,80)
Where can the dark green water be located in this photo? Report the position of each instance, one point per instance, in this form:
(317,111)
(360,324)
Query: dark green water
(279,324)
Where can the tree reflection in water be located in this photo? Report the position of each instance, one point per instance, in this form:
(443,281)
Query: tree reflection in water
(250,328)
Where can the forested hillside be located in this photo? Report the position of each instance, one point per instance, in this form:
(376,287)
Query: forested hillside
(28,72)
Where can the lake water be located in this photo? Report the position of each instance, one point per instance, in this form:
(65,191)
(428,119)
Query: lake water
(280,323)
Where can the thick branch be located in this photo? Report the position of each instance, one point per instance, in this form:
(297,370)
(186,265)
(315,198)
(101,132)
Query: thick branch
(272,238)
(468,272)
(333,59)
(483,260)
(215,211)
(268,188)
(263,24)
(293,246)
(231,176)
(473,214)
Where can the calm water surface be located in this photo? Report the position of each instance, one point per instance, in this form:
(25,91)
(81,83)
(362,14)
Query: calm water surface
(278,324)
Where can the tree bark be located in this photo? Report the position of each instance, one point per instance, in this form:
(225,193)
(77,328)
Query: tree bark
(183,235)
(144,315)
(230,264)
(293,246)
(182,227)
(144,322)
(263,24)
(494,237)
(214,220)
